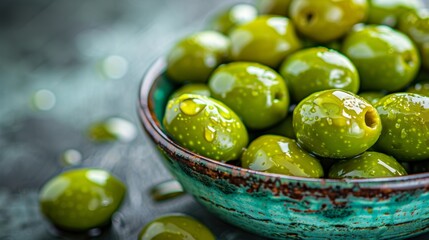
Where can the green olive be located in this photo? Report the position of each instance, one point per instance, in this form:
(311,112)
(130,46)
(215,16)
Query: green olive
(243,84)
(195,57)
(277,154)
(205,126)
(326,20)
(372,97)
(274,7)
(416,25)
(266,40)
(367,165)
(234,16)
(389,12)
(405,120)
(385,58)
(192,88)
(421,88)
(316,69)
(336,124)
(81,199)
(175,227)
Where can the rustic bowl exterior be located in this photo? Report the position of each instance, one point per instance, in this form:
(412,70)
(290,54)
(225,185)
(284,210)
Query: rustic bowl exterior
(284,207)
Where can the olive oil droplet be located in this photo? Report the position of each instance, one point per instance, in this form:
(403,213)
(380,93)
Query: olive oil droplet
(191,106)
(209,133)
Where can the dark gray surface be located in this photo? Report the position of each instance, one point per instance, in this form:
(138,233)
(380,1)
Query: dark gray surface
(61,46)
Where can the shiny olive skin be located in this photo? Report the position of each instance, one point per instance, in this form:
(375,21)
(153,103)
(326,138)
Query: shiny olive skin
(175,227)
(389,12)
(255,92)
(283,128)
(405,120)
(192,88)
(416,25)
(274,7)
(336,124)
(234,16)
(205,126)
(81,199)
(367,165)
(421,88)
(326,20)
(195,57)
(386,59)
(266,40)
(277,154)
(315,69)
(372,97)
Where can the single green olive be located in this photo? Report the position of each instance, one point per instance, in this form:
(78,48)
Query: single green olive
(195,57)
(416,25)
(205,126)
(175,227)
(192,88)
(421,88)
(274,7)
(81,199)
(326,20)
(336,124)
(257,93)
(405,120)
(389,12)
(372,97)
(266,40)
(234,16)
(283,128)
(316,69)
(385,58)
(367,165)
(277,154)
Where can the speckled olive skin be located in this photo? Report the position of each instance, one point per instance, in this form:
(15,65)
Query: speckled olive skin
(416,25)
(255,92)
(405,120)
(195,57)
(274,7)
(385,58)
(266,40)
(81,199)
(283,128)
(421,88)
(316,69)
(192,88)
(175,227)
(277,154)
(367,165)
(389,12)
(372,97)
(326,20)
(336,124)
(234,16)
(205,126)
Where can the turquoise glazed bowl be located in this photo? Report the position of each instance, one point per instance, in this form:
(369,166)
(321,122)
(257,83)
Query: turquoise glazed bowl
(285,207)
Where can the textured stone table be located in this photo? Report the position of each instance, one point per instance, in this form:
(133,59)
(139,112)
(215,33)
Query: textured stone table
(67,64)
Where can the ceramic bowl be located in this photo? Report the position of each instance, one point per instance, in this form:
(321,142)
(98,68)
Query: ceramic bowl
(285,207)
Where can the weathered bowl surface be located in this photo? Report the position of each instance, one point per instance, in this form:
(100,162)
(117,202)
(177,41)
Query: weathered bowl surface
(280,207)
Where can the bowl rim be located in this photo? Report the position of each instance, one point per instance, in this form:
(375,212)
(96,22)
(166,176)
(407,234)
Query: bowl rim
(153,127)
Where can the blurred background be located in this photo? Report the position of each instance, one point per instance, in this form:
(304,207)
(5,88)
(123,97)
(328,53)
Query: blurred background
(69,72)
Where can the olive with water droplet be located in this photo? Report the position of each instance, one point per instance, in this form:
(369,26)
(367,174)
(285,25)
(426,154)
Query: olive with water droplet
(316,69)
(205,126)
(81,199)
(195,57)
(175,227)
(255,92)
(405,121)
(336,124)
(367,165)
(234,16)
(277,154)
(192,88)
(267,40)
(386,59)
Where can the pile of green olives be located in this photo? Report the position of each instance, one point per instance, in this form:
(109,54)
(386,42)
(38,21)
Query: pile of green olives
(327,88)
